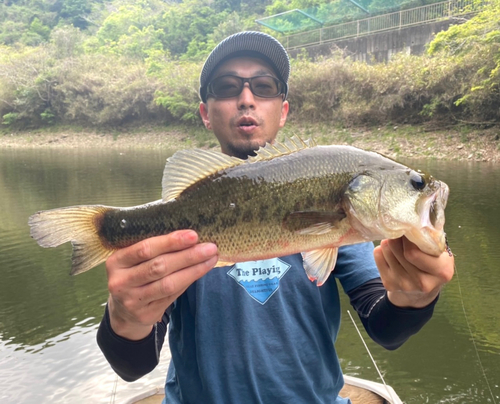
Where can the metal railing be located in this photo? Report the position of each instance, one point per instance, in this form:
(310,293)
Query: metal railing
(384,22)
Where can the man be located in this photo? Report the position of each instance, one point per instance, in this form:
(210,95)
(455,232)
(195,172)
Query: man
(232,342)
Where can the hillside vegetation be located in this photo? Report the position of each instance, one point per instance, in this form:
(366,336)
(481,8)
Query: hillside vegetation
(109,63)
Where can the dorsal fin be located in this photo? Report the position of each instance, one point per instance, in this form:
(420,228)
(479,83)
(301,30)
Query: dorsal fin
(277,149)
(186,167)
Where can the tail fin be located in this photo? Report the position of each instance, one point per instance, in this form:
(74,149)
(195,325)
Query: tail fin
(78,224)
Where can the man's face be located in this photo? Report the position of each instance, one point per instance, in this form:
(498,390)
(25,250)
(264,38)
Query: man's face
(245,122)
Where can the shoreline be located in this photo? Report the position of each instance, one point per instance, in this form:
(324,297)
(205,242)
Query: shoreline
(395,142)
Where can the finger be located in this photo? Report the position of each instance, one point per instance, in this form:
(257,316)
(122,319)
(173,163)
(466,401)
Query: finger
(410,278)
(383,267)
(408,256)
(411,256)
(414,258)
(380,261)
(166,264)
(153,312)
(393,253)
(396,275)
(154,246)
(174,285)
(136,300)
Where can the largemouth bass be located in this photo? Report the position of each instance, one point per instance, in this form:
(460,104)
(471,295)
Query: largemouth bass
(291,197)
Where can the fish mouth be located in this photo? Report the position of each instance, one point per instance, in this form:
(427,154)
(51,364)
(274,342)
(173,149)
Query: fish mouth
(431,238)
(433,209)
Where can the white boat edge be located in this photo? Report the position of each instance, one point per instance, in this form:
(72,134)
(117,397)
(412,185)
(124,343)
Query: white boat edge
(148,393)
(384,391)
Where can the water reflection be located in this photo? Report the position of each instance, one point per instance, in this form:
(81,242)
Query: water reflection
(68,368)
(37,298)
(48,319)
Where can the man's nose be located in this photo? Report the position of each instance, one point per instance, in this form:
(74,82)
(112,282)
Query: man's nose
(246,98)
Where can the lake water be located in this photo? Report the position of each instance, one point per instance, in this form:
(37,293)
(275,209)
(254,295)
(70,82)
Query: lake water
(48,319)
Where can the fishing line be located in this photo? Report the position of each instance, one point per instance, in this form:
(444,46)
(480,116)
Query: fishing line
(112,399)
(371,357)
(473,339)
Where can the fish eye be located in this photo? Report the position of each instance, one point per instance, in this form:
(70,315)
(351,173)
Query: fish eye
(417,181)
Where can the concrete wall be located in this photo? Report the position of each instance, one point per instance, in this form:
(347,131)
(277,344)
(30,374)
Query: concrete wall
(381,46)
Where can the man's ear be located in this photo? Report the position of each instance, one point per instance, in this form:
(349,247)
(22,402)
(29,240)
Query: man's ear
(204,115)
(284,113)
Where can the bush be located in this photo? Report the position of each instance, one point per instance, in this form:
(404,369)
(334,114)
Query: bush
(475,46)
(341,91)
(26,85)
(408,89)
(102,90)
(179,91)
(38,89)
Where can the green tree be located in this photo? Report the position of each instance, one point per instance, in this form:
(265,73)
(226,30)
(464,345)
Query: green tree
(131,30)
(11,32)
(74,12)
(476,44)
(188,22)
(37,33)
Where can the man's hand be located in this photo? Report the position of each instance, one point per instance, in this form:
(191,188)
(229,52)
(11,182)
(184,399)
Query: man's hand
(411,277)
(146,278)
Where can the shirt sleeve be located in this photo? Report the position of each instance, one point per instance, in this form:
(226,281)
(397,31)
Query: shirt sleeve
(387,324)
(131,359)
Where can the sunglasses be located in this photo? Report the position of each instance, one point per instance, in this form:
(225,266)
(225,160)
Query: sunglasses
(231,86)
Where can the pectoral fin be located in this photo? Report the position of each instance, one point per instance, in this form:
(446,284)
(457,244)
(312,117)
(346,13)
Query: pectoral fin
(223,264)
(319,263)
(312,222)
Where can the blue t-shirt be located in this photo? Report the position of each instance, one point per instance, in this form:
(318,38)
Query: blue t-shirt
(261,332)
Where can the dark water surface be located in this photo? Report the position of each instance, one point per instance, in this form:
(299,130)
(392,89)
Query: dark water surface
(48,319)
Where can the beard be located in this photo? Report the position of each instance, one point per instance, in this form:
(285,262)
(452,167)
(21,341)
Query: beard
(243,151)
(245,148)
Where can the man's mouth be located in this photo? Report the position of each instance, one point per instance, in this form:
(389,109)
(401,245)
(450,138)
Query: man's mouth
(246,123)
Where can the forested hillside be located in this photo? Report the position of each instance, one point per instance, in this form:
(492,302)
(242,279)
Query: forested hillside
(181,28)
(127,27)
(102,63)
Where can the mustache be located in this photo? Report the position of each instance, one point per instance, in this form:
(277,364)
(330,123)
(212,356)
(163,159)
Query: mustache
(246,113)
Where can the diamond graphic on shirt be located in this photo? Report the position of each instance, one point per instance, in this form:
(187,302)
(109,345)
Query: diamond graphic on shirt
(261,279)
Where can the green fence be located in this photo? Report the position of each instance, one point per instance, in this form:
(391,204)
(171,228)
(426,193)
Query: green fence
(385,22)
